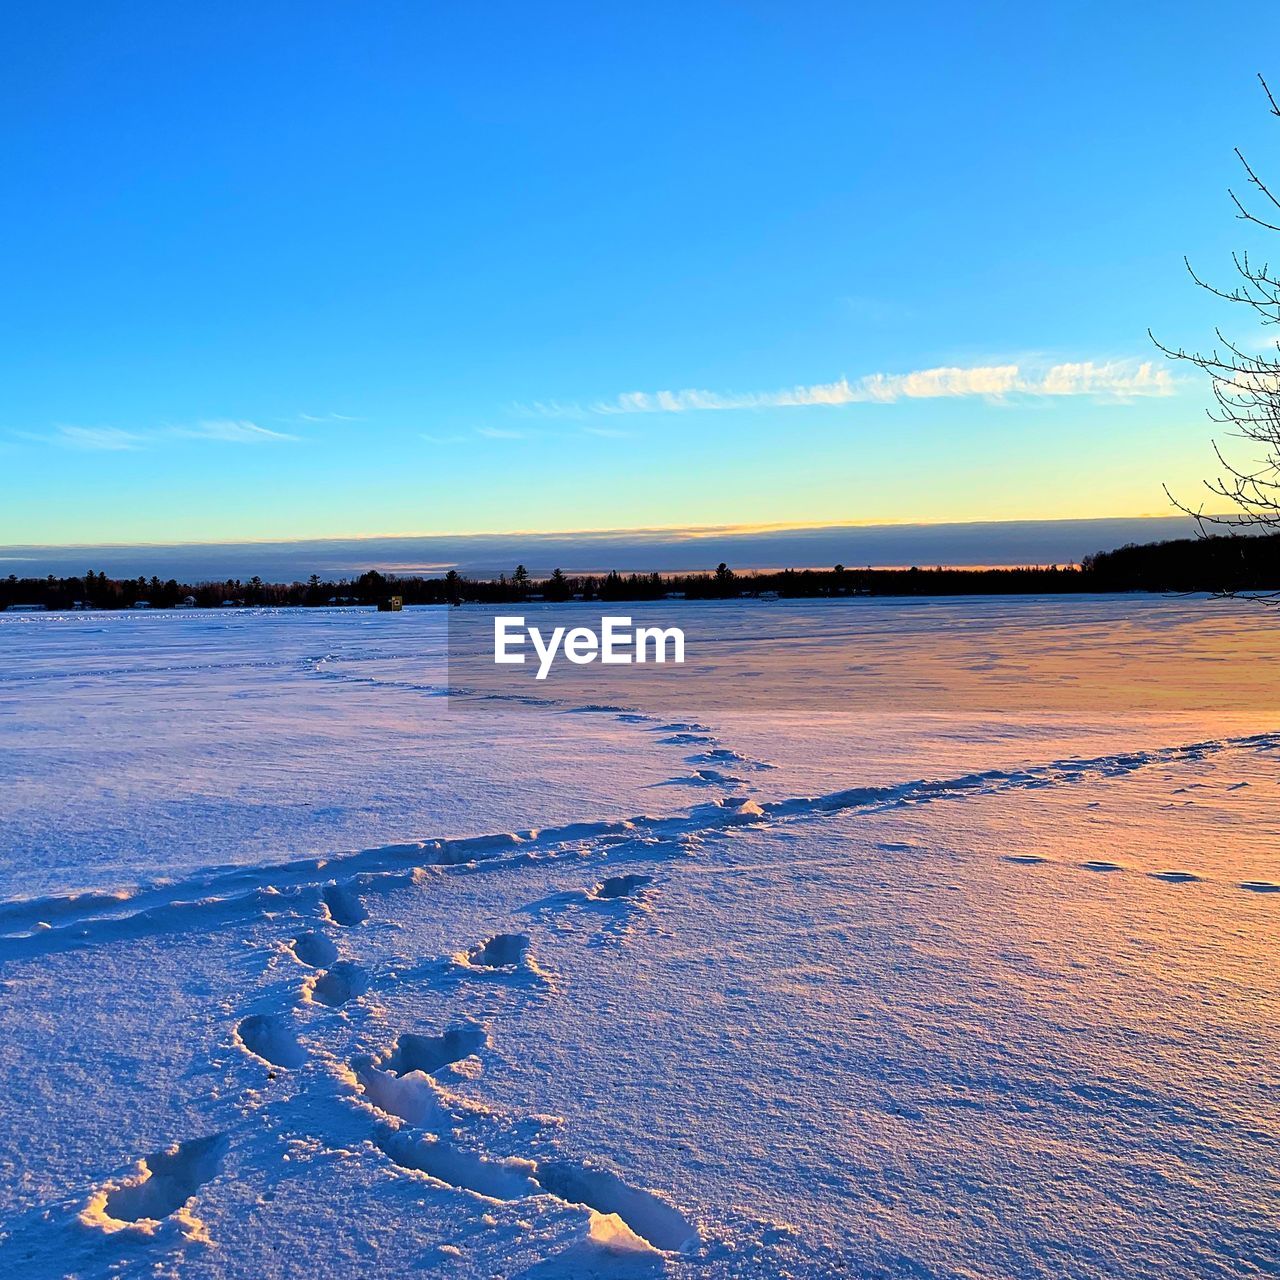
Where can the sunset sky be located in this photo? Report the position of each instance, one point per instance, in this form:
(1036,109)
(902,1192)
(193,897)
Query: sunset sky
(295,270)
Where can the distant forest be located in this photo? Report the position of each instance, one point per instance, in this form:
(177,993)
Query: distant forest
(1223,565)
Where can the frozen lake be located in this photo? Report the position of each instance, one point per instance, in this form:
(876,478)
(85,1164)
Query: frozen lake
(894,938)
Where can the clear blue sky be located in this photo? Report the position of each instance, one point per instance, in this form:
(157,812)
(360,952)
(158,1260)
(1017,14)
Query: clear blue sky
(291,270)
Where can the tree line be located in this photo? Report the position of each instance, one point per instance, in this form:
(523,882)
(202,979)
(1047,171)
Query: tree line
(1222,565)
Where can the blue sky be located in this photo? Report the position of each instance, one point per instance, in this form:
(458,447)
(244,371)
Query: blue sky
(297,270)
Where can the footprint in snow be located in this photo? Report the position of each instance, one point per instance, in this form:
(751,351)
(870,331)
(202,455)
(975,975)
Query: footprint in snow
(428,1054)
(725,755)
(270,1037)
(457,1166)
(660,1225)
(645,1216)
(615,887)
(401,1083)
(314,950)
(335,986)
(414,1098)
(502,951)
(503,955)
(703,778)
(342,905)
(159,1187)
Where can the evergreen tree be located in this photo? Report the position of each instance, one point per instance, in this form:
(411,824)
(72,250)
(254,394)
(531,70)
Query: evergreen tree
(558,587)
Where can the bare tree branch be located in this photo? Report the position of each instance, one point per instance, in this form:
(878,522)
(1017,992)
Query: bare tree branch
(1245,385)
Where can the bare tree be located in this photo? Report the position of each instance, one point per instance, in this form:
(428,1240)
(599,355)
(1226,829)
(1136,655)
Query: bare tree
(1245,385)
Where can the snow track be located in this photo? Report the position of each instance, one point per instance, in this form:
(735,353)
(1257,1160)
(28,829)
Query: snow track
(34,926)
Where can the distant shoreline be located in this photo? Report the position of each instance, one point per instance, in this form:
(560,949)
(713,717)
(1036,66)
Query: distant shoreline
(17,611)
(1219,565)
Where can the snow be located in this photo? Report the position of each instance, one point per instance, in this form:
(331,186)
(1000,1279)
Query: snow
(306,970)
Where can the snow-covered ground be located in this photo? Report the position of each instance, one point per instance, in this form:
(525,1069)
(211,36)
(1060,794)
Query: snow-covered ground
(968,971)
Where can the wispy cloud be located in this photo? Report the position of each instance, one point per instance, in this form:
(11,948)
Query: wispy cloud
(1108,380)
(117,440)
(234,432)
(551,409)
(108,439)
(314,418)
(499,433)
(1115,380)
(430,439)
